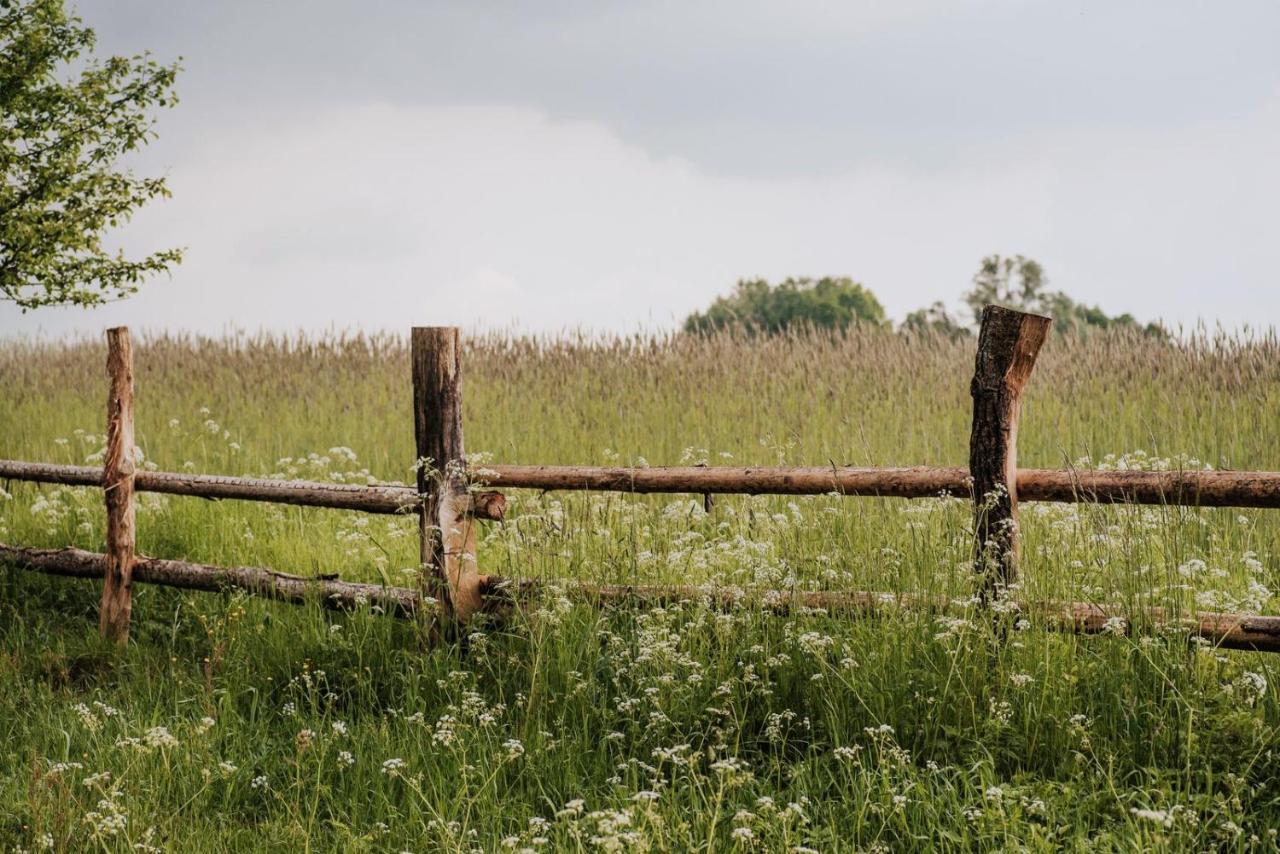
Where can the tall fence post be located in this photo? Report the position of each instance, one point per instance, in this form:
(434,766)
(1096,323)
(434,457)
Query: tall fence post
(1008,344)
(117,482)
(447,524)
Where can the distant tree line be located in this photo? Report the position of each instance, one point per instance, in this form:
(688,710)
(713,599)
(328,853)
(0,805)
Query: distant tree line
(756,306)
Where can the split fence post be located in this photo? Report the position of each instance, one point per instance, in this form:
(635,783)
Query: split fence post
(447,524)
(1008,344)
(117,483)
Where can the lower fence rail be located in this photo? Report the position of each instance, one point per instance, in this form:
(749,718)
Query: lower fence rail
(1227,631)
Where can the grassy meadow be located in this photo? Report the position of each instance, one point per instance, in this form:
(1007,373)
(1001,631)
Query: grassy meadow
(230,723)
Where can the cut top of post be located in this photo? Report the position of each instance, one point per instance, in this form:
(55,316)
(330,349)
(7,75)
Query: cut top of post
(1008,344)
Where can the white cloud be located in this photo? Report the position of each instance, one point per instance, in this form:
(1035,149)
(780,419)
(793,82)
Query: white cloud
(390,216)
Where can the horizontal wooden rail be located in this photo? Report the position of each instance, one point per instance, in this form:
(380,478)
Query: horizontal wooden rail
(340,496)
(329,593)
(1193,488)
(380,498)
(914,482)
(1229,631)
(1190,488)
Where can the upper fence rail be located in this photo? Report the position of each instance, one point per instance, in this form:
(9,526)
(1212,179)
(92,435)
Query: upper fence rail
(1192,488)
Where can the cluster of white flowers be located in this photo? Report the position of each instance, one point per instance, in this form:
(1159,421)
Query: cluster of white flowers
(158,737)
(1158,816)
(109,819)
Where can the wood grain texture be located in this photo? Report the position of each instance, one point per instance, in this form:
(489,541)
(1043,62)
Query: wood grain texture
(1008,344)
(117,483)
(448,529)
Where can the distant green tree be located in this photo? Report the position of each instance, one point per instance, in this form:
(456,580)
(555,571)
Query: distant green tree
(757,306)
(1015,282)
(66,118)
(935,320)
(1019,282)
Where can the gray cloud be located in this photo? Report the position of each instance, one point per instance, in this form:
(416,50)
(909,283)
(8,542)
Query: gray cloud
(615,164)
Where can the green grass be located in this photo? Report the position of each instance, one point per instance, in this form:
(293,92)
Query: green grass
(671,729)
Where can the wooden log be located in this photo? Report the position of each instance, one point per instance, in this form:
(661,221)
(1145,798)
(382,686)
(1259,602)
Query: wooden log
(388,498)
(1189,488)
(1227,631)
(1007,347)
(1186,488)
(328,593)
(490,506)
(913,482)
(447,528)
(117,484)
(1256,632)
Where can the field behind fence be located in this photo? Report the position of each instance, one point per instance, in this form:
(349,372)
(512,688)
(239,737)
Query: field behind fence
(451,497)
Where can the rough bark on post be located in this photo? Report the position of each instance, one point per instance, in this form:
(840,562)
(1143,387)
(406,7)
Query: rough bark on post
(117,482)
(448,525)
(1007,347)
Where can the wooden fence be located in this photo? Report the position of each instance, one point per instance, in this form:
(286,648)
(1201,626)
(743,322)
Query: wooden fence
(449,500)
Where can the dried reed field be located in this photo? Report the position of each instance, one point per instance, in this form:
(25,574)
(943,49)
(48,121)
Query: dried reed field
(681,726)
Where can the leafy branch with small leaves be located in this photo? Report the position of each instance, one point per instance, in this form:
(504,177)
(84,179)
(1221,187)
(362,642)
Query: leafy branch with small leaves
(66,120)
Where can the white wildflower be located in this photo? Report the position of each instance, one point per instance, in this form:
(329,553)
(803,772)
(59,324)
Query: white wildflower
(1158,816)
(160,737)
(95,780)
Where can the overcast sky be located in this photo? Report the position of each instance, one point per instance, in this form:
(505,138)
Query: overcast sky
(615,165)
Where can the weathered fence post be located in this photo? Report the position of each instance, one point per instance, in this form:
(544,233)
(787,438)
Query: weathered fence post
(1008,344)
(117,482)
(448,525)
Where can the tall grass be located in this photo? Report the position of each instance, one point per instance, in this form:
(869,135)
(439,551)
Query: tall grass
(231,723)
